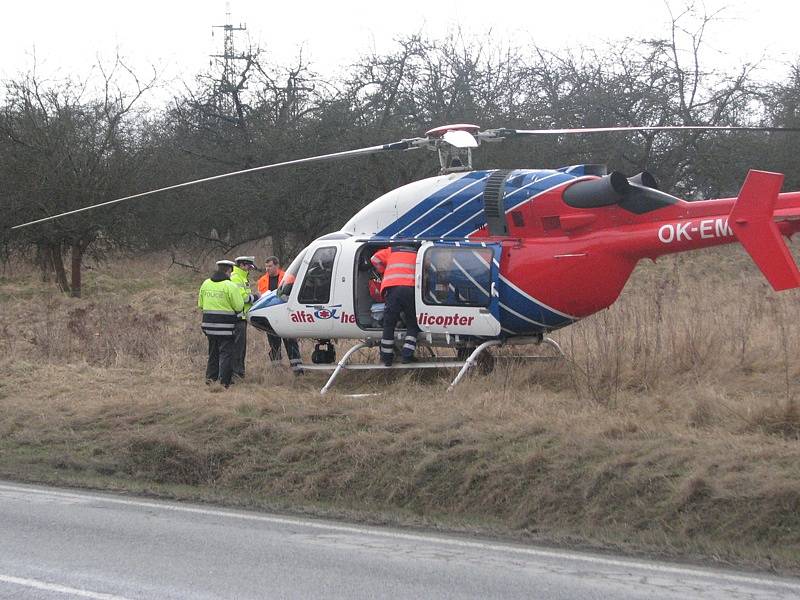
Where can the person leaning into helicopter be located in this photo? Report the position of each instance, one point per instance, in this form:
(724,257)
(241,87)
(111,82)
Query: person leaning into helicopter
(270,281)
(397,265)
(240,278)
(221,303)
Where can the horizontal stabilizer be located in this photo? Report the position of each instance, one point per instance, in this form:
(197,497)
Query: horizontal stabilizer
(752,221)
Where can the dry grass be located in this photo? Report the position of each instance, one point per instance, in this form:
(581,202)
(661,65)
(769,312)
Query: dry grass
(673,429)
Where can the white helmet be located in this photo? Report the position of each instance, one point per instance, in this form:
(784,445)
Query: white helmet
(225,263)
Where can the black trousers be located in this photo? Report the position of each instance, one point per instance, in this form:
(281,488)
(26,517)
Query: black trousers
(399,300)
(220,355)
(239,347)
(292,349)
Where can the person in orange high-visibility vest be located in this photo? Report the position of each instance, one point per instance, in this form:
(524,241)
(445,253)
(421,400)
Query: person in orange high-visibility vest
(273,276)
(270,281)
(398,267)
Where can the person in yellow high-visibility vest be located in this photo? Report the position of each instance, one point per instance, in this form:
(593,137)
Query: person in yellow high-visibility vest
(240,277)
(221,303)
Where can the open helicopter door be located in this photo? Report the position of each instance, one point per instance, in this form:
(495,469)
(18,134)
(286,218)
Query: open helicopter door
(456,290)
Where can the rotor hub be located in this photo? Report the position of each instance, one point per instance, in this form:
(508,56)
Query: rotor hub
(454,144)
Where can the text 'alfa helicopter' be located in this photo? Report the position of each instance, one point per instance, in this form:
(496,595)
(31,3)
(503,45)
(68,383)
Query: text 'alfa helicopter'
(506,256)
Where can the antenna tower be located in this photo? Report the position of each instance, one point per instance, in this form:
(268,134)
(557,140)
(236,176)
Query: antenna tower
(229,57)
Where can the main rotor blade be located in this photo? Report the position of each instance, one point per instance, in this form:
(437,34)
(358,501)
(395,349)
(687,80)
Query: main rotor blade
(409,144)
(504,132)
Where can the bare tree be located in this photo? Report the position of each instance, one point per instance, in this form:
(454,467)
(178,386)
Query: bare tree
(67,145)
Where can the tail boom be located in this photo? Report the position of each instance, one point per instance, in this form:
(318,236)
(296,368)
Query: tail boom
(758,218)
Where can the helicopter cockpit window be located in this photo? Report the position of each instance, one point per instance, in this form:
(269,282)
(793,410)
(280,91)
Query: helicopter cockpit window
(457,276)
(287,283)
(317,283)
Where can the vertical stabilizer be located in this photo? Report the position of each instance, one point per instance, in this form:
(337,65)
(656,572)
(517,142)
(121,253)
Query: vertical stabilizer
(752,221)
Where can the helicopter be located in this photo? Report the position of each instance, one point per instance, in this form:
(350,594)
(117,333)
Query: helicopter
(505,256)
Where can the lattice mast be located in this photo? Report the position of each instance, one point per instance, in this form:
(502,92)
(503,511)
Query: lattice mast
(229,57)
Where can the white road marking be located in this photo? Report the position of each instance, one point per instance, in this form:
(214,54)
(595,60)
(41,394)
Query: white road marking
(430,539)
(60,589)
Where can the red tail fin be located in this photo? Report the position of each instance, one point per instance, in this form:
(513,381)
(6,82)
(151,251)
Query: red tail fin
(752,221)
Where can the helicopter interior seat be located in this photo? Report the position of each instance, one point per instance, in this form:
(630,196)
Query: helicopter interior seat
(364,301)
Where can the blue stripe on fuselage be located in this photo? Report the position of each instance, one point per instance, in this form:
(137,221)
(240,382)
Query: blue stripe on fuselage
(520,187)
(457,209)
(511,322)
(268,299)
(413,219)
(523,305)
(465,204)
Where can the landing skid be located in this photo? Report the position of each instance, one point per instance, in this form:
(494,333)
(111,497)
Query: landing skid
(463,365)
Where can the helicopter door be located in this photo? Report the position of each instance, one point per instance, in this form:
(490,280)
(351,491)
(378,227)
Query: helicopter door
(456,290)
(312,308)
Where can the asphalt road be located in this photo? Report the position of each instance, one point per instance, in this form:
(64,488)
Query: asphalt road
(57,543)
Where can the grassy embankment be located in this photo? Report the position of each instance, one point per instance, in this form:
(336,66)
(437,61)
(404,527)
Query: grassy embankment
(673,430)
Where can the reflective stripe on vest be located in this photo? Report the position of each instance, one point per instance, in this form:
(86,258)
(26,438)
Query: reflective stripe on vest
(400,269)
(219,332)
(219,317)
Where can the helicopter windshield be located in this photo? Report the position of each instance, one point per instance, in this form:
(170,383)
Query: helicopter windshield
(289,277)
(317,281)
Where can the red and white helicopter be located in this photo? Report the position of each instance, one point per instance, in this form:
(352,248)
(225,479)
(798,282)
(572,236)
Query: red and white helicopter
(506,256)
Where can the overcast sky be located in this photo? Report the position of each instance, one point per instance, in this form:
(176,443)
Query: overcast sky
(176,35)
